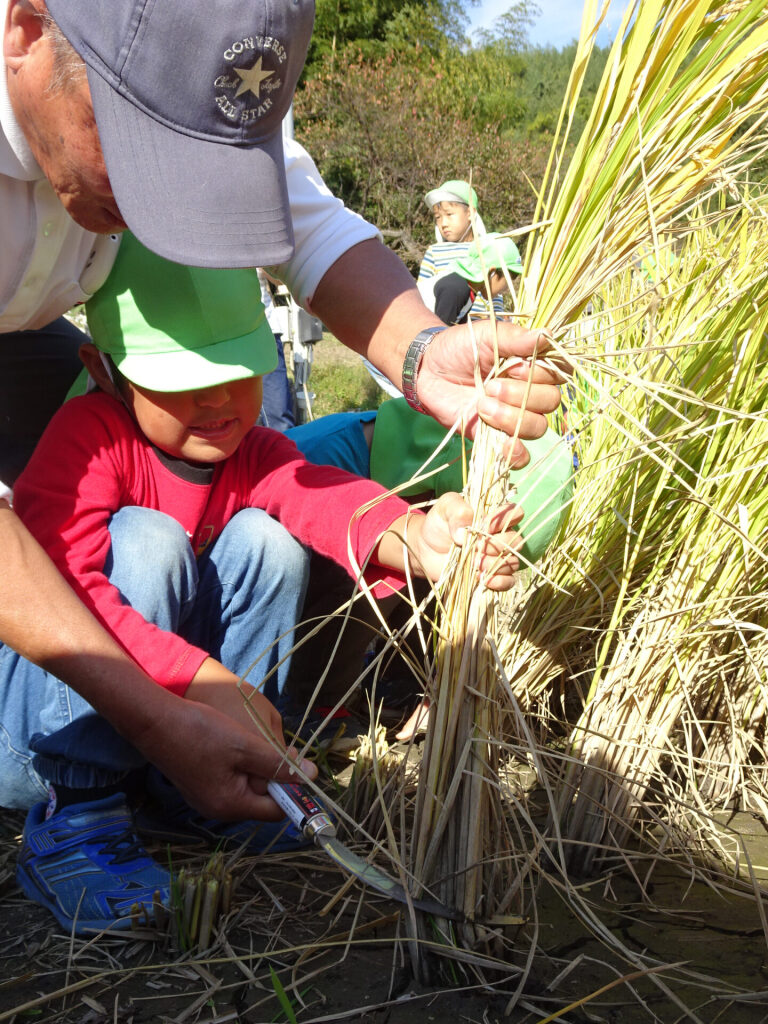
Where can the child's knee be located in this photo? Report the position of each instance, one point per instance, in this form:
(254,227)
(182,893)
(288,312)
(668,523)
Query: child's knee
(139,532)
(150,558)
(267,541)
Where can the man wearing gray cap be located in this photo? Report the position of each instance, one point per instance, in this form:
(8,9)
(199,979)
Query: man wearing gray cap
(172,125)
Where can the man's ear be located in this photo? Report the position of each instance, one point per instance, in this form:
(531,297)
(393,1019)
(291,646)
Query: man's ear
(23,28)
(91,359)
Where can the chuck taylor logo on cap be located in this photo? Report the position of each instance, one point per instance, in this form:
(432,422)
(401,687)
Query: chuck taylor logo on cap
(256,83)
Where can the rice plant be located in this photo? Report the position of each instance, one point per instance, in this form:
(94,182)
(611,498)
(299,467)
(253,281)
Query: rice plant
(678,117)
(652,613)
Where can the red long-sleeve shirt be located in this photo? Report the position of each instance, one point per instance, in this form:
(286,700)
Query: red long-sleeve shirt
(93,460)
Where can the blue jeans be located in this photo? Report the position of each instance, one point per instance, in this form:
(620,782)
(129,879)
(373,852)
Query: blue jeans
(277,395)
(239,602)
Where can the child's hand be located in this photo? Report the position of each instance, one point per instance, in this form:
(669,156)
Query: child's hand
(430,540)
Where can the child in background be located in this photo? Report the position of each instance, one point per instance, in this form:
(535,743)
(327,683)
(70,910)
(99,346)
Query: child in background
(480,271)
(162,504)
(457,225)
(454,206)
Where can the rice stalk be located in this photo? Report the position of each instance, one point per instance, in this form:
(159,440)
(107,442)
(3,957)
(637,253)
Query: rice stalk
(657,619)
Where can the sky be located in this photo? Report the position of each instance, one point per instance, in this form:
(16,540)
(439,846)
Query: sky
(558,25)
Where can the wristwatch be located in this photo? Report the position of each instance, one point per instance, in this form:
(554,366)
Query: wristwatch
(412,363)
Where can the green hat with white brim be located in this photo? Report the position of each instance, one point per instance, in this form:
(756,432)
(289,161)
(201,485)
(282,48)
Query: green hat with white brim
(452,192)
(168,327)
(490,252)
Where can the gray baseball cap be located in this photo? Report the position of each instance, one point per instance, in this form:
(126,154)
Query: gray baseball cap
(189,99)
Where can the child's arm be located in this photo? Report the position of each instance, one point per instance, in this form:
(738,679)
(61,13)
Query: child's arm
(429,539)
(217,687)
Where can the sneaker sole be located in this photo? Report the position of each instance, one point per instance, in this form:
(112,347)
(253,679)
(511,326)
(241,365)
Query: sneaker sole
(77,925)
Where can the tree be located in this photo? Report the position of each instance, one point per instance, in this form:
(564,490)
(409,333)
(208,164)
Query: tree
(383,134)
(377,27)
(510,30)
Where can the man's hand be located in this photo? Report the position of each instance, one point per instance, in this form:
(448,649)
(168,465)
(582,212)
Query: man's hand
(370,302)
(220,766)
(221,691)
(513,403)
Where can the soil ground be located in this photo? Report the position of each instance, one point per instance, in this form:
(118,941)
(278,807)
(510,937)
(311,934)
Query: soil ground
(302,943)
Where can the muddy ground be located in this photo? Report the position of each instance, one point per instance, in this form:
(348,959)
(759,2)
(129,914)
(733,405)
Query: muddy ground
(302,943)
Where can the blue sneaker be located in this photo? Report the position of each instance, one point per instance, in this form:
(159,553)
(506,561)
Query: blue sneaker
(166,817)
(87,866)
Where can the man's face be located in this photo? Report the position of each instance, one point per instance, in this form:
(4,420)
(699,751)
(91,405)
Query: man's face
(61,131)
(70,156)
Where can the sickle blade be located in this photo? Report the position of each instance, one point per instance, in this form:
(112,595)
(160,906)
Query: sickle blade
(370,875)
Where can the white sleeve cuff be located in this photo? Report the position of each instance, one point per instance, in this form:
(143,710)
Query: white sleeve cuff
(323,227)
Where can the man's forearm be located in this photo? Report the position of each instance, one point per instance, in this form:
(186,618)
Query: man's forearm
(369,301)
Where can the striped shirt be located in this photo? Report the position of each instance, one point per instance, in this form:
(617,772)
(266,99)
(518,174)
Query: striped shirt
(438,260)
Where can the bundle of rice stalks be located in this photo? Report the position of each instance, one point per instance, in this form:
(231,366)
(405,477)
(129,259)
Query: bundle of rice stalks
(676,698)
(682,98)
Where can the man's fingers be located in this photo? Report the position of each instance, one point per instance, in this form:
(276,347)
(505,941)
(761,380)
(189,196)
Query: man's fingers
(535,387)
(514,340)
(293,769)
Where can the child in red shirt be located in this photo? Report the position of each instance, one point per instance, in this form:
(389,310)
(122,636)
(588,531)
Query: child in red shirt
(183,527)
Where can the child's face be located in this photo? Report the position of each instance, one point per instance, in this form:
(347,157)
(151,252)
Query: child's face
(453,221)
(204,425)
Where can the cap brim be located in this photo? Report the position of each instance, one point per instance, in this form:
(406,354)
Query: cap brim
(441,195)
(252,355)
(193,201)
(476,272)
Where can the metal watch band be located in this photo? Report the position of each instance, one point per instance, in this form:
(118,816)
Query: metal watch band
(412,362)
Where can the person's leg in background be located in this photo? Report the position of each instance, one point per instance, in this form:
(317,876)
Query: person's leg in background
(37,368)
(277,406)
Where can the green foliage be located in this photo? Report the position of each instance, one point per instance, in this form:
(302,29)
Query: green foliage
(545,81)
(377,27)
(384,132)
